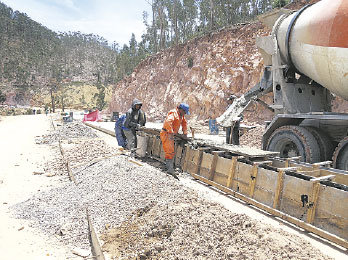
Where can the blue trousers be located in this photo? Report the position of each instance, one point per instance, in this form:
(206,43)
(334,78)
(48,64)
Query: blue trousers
(120,137)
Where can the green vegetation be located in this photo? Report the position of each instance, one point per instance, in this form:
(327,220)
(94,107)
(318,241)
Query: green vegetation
(279,3)
(2,97)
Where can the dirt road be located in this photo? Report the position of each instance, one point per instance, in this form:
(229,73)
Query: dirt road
(22,161)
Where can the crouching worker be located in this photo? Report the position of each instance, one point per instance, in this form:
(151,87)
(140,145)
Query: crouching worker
(171,126)
(135,118)
(119,127)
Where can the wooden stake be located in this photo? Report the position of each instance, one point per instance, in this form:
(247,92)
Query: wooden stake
(135,162)
(287,160)
(232,171)
(213,164)
(159,147)
(199,162)
(313,202)
(94,241)
(252,182)
(187,154)
(279,189)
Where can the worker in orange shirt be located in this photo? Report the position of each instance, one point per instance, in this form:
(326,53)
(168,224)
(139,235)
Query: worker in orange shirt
(171,126)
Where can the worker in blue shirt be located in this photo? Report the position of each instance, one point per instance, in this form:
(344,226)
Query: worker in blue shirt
(119,127)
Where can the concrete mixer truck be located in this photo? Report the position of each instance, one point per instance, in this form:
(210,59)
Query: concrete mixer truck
(305,66)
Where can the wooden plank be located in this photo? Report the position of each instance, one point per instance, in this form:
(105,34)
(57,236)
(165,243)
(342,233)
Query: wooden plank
(183,157)
(265,186)
(200,157)
(341,176)
(323,178)
(279,189)
(205,165)
(308,227)
(192,160)
(94,241)
(232,171)
(287,160)
(161,151)
(243,172)
(253,177)
(332,211)
(223,166)
(220,178)
(313,202)
(178,156)
(325,163)
(294,189)
(149,145)
(66,162)
(213,165)
(135,162)
(188,150)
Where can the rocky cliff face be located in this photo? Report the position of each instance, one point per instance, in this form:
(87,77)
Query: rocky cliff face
(202,73)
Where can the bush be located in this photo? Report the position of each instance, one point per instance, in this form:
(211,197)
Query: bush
(190,62)
(279,3)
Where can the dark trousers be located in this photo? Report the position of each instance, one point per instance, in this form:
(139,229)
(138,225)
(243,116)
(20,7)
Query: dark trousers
(232,135)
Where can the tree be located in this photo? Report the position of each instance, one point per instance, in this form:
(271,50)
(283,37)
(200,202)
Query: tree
(279,3)
(2,97)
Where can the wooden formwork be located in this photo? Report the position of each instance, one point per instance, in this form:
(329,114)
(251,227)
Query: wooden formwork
(303,194)
(312,196)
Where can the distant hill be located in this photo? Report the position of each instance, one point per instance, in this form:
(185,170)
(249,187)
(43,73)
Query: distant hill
(35,60)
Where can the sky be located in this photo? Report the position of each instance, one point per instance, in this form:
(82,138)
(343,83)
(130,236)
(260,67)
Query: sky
(114,20)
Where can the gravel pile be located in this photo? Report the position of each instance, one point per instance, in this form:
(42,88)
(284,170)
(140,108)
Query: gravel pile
(87,150)
(67,131)
(55,165)
(253,137)
(192,228)
(112,190)
(145,213)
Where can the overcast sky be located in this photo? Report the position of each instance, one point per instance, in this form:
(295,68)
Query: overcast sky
(115,20)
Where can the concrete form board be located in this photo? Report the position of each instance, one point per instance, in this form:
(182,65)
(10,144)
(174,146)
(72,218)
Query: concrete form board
(290,199)
(266,184)
(332,216)
(290,202)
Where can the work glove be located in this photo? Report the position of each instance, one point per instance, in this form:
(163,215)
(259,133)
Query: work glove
(171,136)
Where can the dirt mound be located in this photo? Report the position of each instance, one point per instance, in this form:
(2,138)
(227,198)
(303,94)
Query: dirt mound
(191,228)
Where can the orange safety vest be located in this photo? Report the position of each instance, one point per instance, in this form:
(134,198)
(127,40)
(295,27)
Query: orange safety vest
(173,122)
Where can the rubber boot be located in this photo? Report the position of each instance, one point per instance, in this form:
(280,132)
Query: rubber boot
(170,168)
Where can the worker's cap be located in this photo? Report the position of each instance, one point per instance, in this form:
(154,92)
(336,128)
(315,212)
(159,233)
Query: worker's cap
(185,107)
(232,97)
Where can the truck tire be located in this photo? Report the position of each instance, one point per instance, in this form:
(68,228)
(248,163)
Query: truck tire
(291,141)
(340,156)
(326,146)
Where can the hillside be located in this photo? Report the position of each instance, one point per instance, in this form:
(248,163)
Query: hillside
(35,60)
(202,72)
